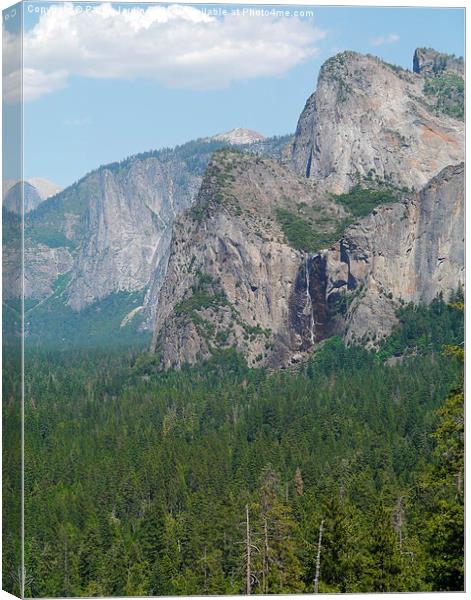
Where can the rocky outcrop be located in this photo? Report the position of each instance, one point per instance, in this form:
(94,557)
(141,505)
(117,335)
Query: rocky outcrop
(239,136)
(43,267)
(126,221)
(114,226)
(29,195)
(403,252)
(116,223)
(233,280)
(21,196)
(428,61)
(232,272)
(371,120)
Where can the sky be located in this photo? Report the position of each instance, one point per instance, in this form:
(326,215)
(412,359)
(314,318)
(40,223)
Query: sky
(102,85)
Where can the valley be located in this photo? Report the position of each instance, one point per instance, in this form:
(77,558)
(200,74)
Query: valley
(243,341)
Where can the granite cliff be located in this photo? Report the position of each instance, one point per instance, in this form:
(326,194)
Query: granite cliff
(267,244)
(403,252)
(232,269)
(108,235)
(273,263)
(369,119)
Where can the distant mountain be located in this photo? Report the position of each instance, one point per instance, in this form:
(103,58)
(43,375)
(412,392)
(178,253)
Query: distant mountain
(44,187)
(108,236)
(239,136)
(36,190)
(12,200)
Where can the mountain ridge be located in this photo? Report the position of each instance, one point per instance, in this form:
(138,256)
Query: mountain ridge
(112,233)
(350,285)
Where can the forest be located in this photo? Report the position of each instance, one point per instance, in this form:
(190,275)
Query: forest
(343,476)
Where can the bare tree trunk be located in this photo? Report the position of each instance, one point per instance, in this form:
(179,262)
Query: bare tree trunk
(205,563)
(318,559)
(265,558)
(248,588)
(398,521)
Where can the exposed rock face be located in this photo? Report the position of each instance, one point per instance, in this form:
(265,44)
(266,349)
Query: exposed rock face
(127,219)
(43,266)
(261,261)
(368,119)
(408,252)
(36,190)
(234,281)
(115,224)
(239,136)
(428,61)
(19,195)
(231,271)
(112,229)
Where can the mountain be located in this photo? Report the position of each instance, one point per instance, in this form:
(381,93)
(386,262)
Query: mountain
(44,187)
(250,250)
(403,252)
(231,267)
(35,191)
(428,61)
(369,119)
(239,136)
(273,261)
(106,238)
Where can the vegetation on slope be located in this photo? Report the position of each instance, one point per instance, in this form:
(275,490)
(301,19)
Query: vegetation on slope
(447,89)
(139,482)
(360,201)
(52,324)
(303,235)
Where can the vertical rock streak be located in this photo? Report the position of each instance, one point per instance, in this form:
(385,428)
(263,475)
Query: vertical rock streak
(309,305)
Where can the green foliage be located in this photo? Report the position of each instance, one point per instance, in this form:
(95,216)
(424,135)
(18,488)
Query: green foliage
(307,236)
(53,324)
(303,235)
(141,483)
(442,489)
(205,293)
(425,328)
(447,89)
(136,481)
(360,201)
(334,357)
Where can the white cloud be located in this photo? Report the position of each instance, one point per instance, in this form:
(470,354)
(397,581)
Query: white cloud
(178,46)
(390,38)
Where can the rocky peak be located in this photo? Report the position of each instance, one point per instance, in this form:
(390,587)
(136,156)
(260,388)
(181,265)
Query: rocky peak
(21,196)
(44,187)
(232,267)
(371,120)
(428,61)
(403,252)
(239,136)
(234,278)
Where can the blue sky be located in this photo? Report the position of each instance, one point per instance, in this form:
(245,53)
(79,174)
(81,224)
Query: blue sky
(83,120)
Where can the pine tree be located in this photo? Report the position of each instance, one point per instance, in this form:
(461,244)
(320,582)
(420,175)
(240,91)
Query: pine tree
(384,563)
(281,567)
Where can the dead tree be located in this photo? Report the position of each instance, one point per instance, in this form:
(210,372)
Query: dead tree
(318,559)
(398,521)
(266,551)
(248,551)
